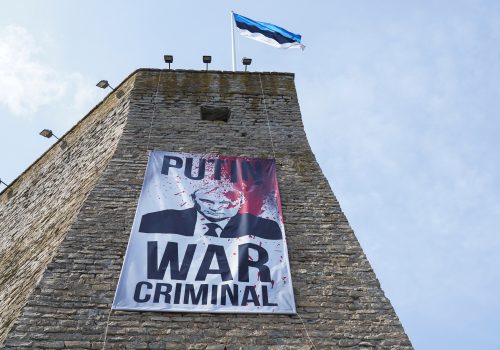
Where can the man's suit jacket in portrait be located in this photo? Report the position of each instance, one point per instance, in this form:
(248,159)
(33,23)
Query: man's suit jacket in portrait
(183,222)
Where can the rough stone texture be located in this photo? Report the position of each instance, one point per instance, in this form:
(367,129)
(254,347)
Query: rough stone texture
(37,210)
(338,297)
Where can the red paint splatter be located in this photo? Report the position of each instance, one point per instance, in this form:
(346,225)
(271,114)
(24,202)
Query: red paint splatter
(272,283)
(178,193)
(284,279)
(232,195)
(260,243)
(183,204)
(255,194)
(258,276)
(250,258)
(212,190)
(233,205)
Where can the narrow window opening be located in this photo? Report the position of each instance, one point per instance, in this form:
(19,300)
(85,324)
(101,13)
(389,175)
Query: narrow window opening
(215,113)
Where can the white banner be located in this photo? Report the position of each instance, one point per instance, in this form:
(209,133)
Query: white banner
(208,236)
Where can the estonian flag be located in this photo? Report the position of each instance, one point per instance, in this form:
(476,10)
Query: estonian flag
(267,33)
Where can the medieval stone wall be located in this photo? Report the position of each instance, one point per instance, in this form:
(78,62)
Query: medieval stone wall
(37,210)
(338,296)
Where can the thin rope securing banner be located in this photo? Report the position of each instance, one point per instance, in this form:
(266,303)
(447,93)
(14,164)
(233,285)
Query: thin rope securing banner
(106,330)
(267,116)
(154,109)
(307,333)
(125,226)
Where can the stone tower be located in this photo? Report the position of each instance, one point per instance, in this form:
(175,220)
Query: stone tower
(65,224)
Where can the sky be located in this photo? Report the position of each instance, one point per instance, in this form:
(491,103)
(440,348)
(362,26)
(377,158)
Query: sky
(400,102)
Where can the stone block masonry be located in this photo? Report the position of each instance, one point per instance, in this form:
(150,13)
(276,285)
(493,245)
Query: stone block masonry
(82,215)
(37,210)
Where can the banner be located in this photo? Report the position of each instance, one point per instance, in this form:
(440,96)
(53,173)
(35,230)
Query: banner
(208,236)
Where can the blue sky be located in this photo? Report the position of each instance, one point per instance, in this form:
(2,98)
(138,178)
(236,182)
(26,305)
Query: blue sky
(400,102)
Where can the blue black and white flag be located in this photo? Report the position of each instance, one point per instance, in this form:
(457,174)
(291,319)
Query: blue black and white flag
(267,33)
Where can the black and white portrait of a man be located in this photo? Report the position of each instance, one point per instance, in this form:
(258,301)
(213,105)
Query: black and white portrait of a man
(215,213)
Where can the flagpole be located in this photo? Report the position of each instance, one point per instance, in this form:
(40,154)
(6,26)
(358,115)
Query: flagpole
(232,42)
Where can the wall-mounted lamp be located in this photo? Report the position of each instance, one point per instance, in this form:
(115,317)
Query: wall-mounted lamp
(207,60)
(246,62)
(103,84)
(48,134)
(168,59)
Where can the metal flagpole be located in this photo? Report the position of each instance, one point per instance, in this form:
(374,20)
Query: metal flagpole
(232,42)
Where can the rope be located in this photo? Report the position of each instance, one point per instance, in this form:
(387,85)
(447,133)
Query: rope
(154,108)
(267,116)
(106,331)
(111,308)
(308,337)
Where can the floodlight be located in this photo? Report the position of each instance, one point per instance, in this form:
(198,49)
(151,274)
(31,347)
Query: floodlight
(103,84)
(246,62)
(48,134)
(207,60)
(168,59)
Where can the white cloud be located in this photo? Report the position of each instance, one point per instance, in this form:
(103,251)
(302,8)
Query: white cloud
(27,83)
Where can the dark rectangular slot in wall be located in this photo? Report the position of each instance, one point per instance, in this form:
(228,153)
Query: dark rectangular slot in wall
(215,113)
